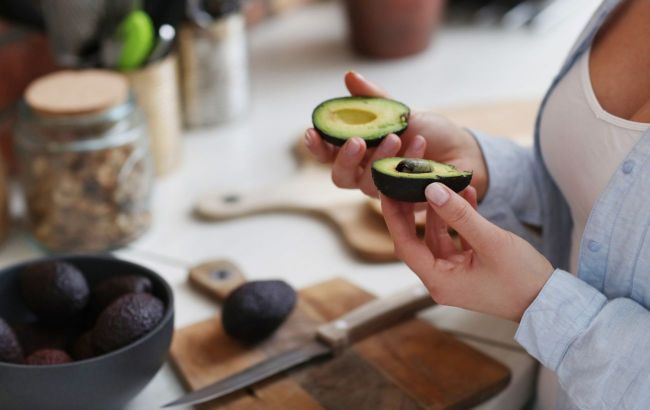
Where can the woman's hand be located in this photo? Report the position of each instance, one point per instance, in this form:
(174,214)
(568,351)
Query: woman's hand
(493,272)
(428,136)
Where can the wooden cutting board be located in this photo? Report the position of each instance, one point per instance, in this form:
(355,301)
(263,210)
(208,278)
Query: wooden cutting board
(408,366)
(310,190)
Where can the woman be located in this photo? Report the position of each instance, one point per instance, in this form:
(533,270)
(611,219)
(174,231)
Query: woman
(582,301)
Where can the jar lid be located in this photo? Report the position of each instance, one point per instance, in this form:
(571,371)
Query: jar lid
(77,92)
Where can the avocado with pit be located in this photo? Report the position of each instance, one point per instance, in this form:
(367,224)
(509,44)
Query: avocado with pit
(405,179)
(10,349)
(126,320)
(369,118)
(253,311)
(56,291)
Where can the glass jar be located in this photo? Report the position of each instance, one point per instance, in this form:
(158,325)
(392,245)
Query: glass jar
(86,179)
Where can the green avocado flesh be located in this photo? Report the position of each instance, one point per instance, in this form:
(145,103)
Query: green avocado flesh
(405,179)
(369,118)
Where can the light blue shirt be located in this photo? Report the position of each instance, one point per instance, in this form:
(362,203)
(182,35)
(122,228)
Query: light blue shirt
(593,330)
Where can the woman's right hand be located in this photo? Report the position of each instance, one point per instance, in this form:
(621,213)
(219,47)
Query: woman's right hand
(428,135)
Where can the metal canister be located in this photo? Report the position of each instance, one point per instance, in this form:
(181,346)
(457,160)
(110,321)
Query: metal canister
(214,70)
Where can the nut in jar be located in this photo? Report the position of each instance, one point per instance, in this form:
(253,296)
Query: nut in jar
(86,175)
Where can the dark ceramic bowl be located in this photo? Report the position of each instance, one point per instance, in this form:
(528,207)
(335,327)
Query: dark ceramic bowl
(103,382)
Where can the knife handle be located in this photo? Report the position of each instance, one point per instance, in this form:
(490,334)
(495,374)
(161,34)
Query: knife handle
(374,316)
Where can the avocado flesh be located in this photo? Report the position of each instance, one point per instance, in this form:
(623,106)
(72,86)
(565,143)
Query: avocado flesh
(369,118)
(407,185)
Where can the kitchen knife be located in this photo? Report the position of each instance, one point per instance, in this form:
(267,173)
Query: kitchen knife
(329,339)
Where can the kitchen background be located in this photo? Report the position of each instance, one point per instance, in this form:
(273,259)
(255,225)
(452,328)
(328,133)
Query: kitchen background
(226,88)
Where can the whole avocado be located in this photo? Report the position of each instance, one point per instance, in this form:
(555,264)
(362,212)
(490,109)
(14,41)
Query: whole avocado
(55,291)
(110,289)
(37,336)
(46,357)
(126,320)
(254,310)
(84,348)
(10,350)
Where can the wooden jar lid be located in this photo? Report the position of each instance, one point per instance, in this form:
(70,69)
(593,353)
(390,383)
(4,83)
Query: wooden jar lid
(79,92)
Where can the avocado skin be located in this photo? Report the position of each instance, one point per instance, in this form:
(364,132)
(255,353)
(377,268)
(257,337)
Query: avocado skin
(55,291)
(10,349)
(253,311)
(412,189)
(84,347)
(126,320)
(110,289)
(37,336)
(45,357)
(370,143)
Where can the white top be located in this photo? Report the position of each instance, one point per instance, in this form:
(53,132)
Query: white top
(582,145)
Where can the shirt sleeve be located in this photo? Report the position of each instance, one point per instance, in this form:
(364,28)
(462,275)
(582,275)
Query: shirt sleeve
(599,348)
(515,186)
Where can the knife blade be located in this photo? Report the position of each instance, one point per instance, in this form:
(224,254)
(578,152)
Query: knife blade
(329,339)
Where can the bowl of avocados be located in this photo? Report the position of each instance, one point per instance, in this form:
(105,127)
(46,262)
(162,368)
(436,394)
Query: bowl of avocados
(369,118)
(406,179)
(81,332)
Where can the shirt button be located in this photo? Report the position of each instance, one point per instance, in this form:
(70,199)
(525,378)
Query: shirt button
(628,166)
(593,246)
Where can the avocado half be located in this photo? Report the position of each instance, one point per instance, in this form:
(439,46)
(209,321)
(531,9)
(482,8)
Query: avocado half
(369,118)
(405,179)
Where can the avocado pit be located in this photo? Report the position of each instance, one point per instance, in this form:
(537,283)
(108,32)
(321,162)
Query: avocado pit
(414,166)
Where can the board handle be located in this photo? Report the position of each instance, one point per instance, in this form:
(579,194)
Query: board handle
(374,316)
(219,206)
(216,278)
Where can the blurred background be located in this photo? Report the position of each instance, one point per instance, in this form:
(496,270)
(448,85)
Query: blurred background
(118,117)
(245,74)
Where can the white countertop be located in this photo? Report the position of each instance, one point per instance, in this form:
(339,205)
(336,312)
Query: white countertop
(297,61)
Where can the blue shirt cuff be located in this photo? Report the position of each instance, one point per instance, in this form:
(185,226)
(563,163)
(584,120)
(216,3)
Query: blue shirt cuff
(559,314)
(501,156)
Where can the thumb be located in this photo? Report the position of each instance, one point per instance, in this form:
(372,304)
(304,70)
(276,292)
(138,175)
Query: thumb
(359,86)
(459,214)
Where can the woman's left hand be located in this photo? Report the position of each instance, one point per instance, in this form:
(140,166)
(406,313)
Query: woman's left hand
(494,271)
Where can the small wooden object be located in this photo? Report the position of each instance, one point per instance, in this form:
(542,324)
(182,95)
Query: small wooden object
(156,89)
(411,365)
(80,92)
(216,278)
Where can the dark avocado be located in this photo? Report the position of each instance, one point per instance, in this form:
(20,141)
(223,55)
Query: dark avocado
(405,179)
(369,118)
(45,357)
(126,320)
(55,291)
(37,336)
(84,347)
(10,350)
(110,289)
(256,309)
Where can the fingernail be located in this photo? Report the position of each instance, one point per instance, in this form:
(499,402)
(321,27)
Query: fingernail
(353,148)
(437,194)
(307,139)
(354,73)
